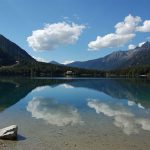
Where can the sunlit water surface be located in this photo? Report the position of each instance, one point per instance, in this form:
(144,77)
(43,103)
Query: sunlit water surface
(76,114)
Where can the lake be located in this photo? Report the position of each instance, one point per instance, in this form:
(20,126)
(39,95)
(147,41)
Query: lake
(76,113)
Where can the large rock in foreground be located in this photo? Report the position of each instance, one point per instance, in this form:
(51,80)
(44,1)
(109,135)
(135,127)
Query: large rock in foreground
(9,133)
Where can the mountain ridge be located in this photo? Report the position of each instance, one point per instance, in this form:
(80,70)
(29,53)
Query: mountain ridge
(10,53)
(16,61)
(118,59)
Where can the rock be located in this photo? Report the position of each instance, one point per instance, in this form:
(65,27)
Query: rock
(9,133)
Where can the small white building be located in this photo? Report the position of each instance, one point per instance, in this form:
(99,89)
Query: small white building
(69,72)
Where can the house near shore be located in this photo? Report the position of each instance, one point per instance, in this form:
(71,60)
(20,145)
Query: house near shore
(69,72)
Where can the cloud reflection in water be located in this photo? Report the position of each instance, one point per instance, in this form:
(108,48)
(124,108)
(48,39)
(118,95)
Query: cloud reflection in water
(53,112)
(40,88)
(123,117)
(67,86)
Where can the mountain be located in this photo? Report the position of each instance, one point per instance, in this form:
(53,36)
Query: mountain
(54,62)
(10,53)
(118,60)
(16,61)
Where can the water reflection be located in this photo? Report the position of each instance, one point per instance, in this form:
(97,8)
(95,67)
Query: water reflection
(13,90)
(53,112)
(123,116)
(67,86)
(137,90)
(126,101)
(40,88)
(132,103)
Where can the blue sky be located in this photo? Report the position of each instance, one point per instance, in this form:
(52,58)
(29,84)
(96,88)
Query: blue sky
(91,18)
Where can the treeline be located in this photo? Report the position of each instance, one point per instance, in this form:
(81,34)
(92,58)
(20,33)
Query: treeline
(137,71)
(45,69)
(35,68)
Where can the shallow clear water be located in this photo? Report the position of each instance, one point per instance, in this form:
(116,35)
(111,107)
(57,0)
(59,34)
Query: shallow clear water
(90,114)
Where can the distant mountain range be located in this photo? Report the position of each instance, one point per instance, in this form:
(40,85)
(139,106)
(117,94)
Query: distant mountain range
(118,60)
(17,61)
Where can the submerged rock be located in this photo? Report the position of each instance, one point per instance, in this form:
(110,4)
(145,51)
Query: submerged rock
(9,133)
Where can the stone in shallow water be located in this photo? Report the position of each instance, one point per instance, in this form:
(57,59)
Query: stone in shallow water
(9,133)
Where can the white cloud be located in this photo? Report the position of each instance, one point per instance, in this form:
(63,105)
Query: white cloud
(128,26)
(67,86)
(145,27)
(140,44)
(40,59)
(55,35)
(131,103)
(140,106)
(67,62)
(131,46)
(109,41)
(124,32)
(123,117)
(53,112)
(40,88)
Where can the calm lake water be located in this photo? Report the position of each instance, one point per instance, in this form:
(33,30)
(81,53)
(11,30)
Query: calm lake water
(76,114)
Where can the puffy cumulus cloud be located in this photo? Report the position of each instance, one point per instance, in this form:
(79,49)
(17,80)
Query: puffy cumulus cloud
(68,62)
(55,35)
(124,32)
(123,117)
(109,41)
(128,25)
(145,27)
(53,112)
(131,46)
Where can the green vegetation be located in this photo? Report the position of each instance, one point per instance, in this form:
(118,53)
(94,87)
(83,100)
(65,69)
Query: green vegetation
(45,69)
(14,61)
(137,71)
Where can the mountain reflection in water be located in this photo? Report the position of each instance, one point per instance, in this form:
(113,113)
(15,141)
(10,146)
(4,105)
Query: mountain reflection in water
(13,90)
(58,101)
